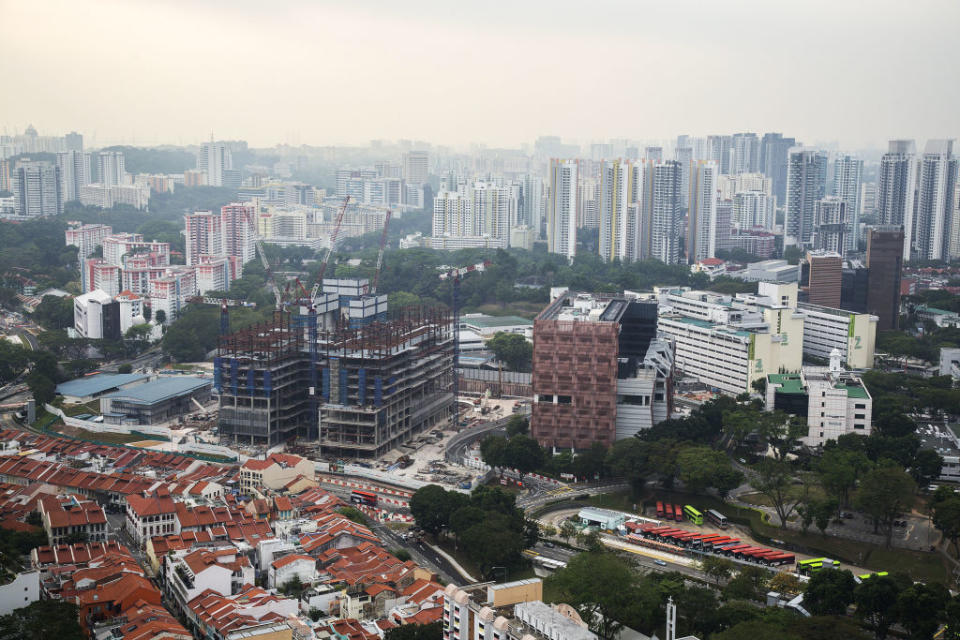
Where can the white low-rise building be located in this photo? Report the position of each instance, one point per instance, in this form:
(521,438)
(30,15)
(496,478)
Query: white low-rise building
(284,569)
(833,401)
(854,335)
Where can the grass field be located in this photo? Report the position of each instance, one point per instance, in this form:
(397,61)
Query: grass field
(105,438)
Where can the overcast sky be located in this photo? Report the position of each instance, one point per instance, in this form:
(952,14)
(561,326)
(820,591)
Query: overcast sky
(496,72)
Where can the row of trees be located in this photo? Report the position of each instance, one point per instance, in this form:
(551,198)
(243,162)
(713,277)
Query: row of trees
(486,525)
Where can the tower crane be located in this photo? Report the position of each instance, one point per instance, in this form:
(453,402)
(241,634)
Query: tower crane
(333,248)
(271,280)
(383,243)
(456,275)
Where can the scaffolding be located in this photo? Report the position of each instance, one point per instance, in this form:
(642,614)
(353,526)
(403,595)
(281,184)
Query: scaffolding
(358,391)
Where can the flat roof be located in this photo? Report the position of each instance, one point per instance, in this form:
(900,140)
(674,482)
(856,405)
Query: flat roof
(853,390)
(486,321)
(161,389)
(789,382)
(82,387)
(706,324)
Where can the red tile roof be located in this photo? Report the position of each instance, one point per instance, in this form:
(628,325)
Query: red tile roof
(290,559)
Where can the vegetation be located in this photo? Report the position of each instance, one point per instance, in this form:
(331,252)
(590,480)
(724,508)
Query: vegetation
(432,631)
(487,525)
(42,620)
(513,349)
(195,332)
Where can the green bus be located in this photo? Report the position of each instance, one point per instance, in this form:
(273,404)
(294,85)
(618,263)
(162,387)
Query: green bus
(866,576)
(693,515)
(813,565)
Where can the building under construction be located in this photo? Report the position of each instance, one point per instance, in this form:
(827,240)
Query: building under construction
(343,373)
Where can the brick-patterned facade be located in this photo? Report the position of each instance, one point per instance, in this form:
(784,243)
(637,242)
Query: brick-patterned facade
(574,382)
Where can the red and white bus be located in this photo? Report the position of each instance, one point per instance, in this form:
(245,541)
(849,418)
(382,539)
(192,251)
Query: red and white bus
(364,497)
(660,509)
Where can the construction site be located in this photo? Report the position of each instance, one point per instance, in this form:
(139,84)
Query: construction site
(343,373)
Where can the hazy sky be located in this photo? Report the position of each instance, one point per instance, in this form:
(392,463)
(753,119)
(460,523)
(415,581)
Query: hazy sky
(497,72)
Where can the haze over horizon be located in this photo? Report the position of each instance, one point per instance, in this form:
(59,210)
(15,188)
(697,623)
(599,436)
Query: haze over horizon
(501,74)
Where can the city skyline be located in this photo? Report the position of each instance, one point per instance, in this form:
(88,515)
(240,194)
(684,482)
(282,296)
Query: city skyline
(337,64)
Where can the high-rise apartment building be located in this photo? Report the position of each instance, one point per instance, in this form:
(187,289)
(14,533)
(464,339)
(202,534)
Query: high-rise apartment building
(73,141)
(935,203)
(237,223)
(666,217)
(720,150)
(453,215)
(885,262)
(416,166)
(214,159)
(897,188)
(621,185)
(204,235)
(746,153)
(684,155)
(774,149)
(74,169)
(495,209)
(531,202)
(112,170)
(702,216)
(831,225)
(806,184)
(847,176)
(562,207)
(752,209)
(36,189)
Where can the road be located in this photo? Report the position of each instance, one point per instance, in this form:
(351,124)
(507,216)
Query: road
(421,553)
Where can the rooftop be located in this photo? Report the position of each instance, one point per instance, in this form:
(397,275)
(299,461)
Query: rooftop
(161,389)
(853,390)
(99,383)
(789,382)
(485,321)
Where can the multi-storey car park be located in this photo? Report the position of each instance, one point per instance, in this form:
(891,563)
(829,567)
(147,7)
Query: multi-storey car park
(344,374)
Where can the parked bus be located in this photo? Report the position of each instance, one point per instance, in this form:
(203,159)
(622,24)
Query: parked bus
(660,509)
(813,565)
(717,518)
(678,513)
(865,576)
(668,511)
(693,515)
(364,497)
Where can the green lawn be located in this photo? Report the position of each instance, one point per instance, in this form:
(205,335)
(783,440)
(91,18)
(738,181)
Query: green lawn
(93,436)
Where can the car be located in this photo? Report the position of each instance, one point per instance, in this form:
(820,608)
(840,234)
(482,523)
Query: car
(847,515)
(660,563)
(549,545)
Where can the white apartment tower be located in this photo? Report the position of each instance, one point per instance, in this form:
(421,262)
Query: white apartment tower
(112,170)
(933,226)
(702,217)
(36,189)
(621,185)
(214,158)
(847,176)
(494,208)
(416,166)
(237,224)
(453,215)
(665,213)
(896,189)
(204,235)
(74,173)
(562,207)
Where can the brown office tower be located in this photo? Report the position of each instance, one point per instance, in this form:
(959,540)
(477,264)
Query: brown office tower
(885,262)
(824,278)
(599,372)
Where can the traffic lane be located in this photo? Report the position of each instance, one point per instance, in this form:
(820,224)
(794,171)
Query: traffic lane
(421,554)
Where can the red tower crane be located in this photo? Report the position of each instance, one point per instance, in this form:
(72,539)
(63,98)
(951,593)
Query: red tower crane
(333,248)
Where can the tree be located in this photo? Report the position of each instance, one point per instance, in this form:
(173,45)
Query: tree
(829,592)
(125,368)
(946,518)
(921,608)
(517,424)
(785,582)
(823,511)
(601,588)
(42,620)
(567,530)
(400,554)
(884,494)
(513,349)
(161,316)
(42,387)
(839,470)
(716,567)
(431,508)
(54,312)
(926,466)
(702,467)
(775,480)
(354,515)
(432,631)
(627,459)
(792,254)
(495,542)
(876,601)
(293,587)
